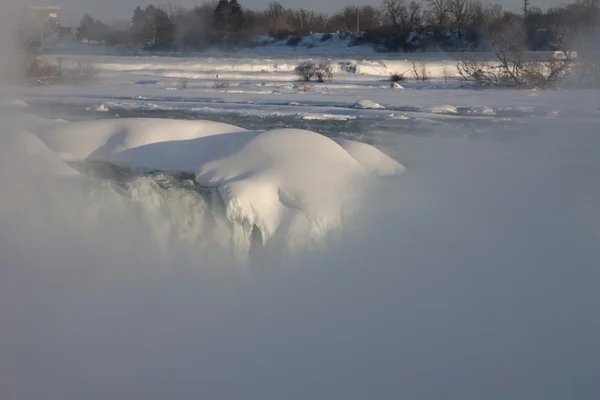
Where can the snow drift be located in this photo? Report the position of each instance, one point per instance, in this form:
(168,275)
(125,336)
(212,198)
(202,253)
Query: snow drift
(290,183)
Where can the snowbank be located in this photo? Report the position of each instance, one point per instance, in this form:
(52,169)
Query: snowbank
(290,183)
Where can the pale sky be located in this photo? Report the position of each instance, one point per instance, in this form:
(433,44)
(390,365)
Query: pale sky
(122,9)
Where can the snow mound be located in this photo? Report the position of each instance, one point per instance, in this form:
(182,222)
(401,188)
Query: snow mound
(443,109)
(97,140)
(19,103)
(291,184)
(29,155)
(367,105)
(373,160)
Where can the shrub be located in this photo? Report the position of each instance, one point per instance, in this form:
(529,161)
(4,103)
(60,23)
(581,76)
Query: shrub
(302,86)
(323,71)
(419,70)
(397,77)
(221,84)
(183,82)
(294,41)
(446,72)
(326,37)
(513,68)
(44,72)
(307,71)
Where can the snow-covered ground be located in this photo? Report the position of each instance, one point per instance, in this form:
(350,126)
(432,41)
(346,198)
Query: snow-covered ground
(444,240)
(267,86)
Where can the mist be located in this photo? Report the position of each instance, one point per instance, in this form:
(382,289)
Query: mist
(472,276)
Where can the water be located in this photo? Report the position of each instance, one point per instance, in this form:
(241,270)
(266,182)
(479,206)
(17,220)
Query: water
(376,130)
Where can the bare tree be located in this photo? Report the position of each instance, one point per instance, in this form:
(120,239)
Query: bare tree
(513,68)
(403,18)
(461,12)
(438,10)
(346,20)
(419,70)
(370,18)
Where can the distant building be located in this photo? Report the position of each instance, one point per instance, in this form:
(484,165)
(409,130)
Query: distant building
(47,17)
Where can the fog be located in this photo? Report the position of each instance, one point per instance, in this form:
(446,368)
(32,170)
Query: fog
(473,276)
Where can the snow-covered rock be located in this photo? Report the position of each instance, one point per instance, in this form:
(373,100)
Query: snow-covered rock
(30,156)
(443,109)
(372,159)
(367,105)
(99,140)
(292,183)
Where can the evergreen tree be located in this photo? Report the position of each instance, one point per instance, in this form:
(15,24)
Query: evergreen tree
(150,25)
(236,16)
(228,16)
(86,26)
(138,22)
(220,15)
(164,28)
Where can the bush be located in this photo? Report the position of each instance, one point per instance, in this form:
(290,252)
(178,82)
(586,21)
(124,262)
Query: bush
(367,38)
(397,77)
(302,86)
(44,72)
(513,68)
(221,84)
(326,37)
(307,71)
(294,41)
(419,71)
(446,72)
(183,82)
(324,71)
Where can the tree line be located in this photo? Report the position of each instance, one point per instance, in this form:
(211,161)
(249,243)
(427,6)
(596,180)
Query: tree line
(397,25)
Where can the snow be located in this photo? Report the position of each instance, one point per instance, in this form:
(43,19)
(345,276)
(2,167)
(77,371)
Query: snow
(290,180)
(28,151)
(371,159)
(19,103)
(97,140)
(443,109)
(367,105)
